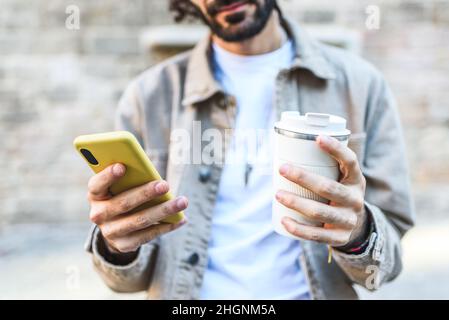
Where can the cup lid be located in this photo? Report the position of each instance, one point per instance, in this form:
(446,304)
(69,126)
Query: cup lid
(313,124)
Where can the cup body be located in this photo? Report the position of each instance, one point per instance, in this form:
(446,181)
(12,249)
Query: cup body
(302,151)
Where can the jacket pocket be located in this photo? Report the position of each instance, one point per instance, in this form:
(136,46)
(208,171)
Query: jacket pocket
(357,142)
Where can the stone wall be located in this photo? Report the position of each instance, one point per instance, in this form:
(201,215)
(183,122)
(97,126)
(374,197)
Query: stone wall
(57,83)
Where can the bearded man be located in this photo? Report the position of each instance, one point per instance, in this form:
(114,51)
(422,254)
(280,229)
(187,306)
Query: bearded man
(254,64)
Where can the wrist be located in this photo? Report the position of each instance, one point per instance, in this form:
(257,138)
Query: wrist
(113,256)
(359,243)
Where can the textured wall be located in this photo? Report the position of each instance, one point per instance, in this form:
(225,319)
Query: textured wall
(57,83)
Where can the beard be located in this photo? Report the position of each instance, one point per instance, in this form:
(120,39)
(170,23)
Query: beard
(241,26)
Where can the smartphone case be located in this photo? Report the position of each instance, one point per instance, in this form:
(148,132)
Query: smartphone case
(122,147)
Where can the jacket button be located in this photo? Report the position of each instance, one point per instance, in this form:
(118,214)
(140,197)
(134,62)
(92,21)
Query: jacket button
(193,259)
(222,103)
(232,102)
(204,174)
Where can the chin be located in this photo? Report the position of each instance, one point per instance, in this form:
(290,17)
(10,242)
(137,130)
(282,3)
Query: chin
(238,26)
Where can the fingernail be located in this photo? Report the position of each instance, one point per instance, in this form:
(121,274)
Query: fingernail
(181,203)
(179,224)
(283,170)
(118,169)
(161,187)
(324,139)
(278,195)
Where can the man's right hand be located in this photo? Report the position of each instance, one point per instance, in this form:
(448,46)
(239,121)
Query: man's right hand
(125,233)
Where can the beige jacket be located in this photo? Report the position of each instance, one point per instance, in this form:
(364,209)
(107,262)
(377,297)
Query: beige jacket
(172,94)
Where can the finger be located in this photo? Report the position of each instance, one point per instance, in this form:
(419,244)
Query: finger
(343,155)
(131,199)
(316,210)
(333,237)
(133,241)
(126,201)
(99,184)
(123,226)
(325,187)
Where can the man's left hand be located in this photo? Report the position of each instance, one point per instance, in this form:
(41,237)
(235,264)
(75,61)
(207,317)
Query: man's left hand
(344,218)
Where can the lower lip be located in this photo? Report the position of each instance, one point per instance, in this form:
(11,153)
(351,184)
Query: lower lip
(233,8)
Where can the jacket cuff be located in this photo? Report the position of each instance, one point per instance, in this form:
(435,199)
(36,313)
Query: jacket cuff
(131,277)
(89,239)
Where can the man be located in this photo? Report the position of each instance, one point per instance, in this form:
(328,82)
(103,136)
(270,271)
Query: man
(254,65)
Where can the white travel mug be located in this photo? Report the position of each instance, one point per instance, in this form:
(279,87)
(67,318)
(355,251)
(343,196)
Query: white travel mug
(295,144)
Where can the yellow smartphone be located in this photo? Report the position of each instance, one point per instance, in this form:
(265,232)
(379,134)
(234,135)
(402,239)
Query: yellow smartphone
(103,149)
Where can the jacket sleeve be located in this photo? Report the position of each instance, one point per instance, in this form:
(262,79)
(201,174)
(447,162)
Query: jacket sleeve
(132,277)
(387,199)
(136,275)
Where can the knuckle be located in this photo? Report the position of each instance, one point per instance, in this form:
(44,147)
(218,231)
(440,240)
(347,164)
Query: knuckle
(325,212)
(141,220)
(328,188)
(316,213)
(314,236)
(298,173)
(148,191)
(96,215)
(359,204)
(125,205)
(352,159)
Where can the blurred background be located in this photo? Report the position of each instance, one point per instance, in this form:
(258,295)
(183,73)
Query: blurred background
(59,81)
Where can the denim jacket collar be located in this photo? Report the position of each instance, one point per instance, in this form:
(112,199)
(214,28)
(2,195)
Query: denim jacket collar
(201,84)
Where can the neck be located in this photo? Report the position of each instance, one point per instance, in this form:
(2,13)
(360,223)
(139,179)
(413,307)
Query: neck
(272,37)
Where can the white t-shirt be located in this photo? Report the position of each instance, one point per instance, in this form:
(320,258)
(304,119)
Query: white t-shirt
(247,259)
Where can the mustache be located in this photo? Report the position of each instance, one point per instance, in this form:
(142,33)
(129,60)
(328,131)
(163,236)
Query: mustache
(215,6)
